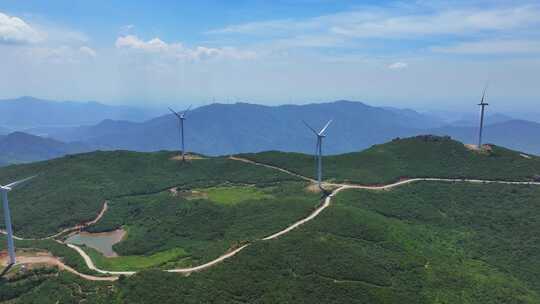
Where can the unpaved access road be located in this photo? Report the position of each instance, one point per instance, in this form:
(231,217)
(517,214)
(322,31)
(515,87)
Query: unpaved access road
(231,253)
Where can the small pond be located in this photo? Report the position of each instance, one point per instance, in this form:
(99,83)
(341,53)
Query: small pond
(102,242)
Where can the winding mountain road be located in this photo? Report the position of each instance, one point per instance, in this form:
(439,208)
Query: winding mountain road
(327,201)
(70,229)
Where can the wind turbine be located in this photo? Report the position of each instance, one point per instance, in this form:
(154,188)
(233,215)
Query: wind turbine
(7,216)
(318,150)
(483,104)
(181,117)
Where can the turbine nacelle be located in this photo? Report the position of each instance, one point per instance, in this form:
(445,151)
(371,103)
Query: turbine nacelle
(182,115)
(319,134)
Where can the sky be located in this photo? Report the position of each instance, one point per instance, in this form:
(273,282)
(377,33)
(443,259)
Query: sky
(418,54)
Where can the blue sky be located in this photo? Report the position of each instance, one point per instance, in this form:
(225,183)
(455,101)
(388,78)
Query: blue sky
(421,54)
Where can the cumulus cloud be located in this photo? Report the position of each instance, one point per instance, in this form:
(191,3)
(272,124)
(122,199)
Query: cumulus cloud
(398,65)
(179,51)
(14,30)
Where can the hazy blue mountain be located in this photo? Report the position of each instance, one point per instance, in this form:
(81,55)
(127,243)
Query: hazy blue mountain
(28,112)
(19,147)
(242,127)
(471,120)
(234,128)
(4,131)
(519,135)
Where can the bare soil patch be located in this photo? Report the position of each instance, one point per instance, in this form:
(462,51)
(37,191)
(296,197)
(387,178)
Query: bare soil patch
(313,188)
(188,194)
(187,156)
(485,149)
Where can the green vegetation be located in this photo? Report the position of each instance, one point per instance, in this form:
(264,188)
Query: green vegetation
(72,189)
(422,156)
(49,286)
(137,262)
(234,195)
(205,229)
(428,242)
(423,243)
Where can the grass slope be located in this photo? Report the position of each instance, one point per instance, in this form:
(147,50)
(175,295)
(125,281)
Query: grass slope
(72,189)
(422,156)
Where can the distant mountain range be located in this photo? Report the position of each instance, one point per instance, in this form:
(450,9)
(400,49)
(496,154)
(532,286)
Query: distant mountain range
(19,147)
(4,131)
(219,129)
(235,128)
(30,112)
(519,135)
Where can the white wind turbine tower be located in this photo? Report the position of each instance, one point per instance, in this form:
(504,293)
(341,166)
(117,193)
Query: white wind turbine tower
(181,117)
(482,104)
(318,150)
(7,216)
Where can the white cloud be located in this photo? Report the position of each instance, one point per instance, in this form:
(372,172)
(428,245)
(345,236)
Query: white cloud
(398,65)
(153,45)
(492,47)
(178,51)
(88,51)
(401,22)
(14,30)
(267,27)
(453,22)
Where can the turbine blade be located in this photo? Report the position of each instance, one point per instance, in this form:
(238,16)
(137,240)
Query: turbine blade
(310,127)
(183,115)
(325,127)
(174,112)
(484,92)
(19,182)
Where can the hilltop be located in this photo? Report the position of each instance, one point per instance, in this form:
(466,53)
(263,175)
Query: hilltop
(420,156)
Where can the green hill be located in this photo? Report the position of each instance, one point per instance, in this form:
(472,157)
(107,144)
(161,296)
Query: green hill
(428,242)
(409,245)
(72,189)
(421,156)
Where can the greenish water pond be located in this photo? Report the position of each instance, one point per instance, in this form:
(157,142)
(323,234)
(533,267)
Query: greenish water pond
(102,242)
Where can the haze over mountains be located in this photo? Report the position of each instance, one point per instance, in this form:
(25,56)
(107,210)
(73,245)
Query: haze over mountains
(19,147)
(219,129)
(30,112)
